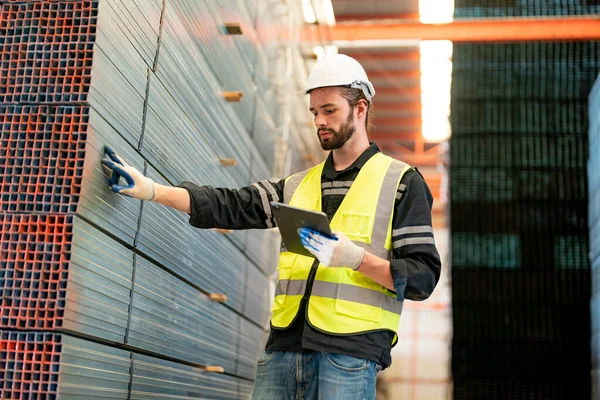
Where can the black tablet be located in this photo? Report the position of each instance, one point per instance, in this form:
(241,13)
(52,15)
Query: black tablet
(289,219)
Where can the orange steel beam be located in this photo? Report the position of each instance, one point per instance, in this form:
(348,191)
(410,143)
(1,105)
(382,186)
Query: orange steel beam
(476,30)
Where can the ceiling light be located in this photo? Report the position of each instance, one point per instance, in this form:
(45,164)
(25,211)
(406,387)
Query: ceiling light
(436,11)
(436,81)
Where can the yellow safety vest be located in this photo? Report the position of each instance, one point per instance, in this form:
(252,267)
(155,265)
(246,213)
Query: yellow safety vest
(343,301)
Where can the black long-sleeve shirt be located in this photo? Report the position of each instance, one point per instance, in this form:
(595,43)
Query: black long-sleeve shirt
(415,264)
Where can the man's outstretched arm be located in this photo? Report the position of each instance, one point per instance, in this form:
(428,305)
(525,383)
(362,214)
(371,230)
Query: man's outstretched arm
(245,208)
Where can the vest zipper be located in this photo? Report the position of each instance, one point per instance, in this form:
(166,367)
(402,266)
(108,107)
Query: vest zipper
(309,281)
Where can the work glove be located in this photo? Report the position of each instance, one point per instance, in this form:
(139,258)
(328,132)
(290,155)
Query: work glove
(138,186)
(336,251)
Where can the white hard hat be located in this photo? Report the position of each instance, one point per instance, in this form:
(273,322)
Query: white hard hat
(339,70)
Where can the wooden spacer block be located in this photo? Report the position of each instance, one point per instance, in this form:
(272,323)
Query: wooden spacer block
(228,162)
(233,28)
(233,97)
(215,368)
(224,231)
(218,297)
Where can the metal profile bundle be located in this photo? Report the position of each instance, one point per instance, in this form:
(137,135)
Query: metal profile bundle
(501,184)
(73,56)
(502,287)
(134,21)
(51,164)
(119,82)
(156,378)
(53,68)
(59,273)
(545,324)
(527,116)
(37,365)
(535,151)
(205,258)
(262,246)
(594,226)
(78,259)
(265,134)
(527,71)
(505,363)
(276,27)
(172,318)
(519,201)
(259,169)
(523,8)
(251,341)
(191,154)
(184,73)
(247,43)
(81,282)
(233,71)
(256,295)
(530,167)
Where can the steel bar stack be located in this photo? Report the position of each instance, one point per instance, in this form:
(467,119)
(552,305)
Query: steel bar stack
(519,217)
(102,295)
(594,226)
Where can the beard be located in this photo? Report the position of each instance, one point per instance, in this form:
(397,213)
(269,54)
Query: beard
(339,137)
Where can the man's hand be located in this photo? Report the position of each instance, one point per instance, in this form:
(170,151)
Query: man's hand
(338,251)
(138,186)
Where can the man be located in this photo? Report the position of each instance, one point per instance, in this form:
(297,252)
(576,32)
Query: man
(335,316)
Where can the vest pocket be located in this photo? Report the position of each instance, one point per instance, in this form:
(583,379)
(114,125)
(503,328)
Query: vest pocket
(358,302)
(357,226)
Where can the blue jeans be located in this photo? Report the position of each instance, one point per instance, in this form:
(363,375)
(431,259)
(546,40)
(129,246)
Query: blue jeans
(314,375)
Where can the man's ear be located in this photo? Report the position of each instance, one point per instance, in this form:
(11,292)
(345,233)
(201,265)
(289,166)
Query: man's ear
(361,108)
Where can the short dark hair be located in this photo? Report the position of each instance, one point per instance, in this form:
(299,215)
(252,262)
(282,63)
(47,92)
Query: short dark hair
(353,96)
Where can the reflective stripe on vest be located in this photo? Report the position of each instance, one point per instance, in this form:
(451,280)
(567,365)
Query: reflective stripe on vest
(352,293)
(292,183)
(343,301)
(385,209)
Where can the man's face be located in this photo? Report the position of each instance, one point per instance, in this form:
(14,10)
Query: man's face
(334,118)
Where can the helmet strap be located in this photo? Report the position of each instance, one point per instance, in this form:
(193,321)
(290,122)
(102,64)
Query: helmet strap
(363,87)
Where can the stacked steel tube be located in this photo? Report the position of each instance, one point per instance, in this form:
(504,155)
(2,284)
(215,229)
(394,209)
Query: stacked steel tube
(594,226)
(519,219)
(101,294)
